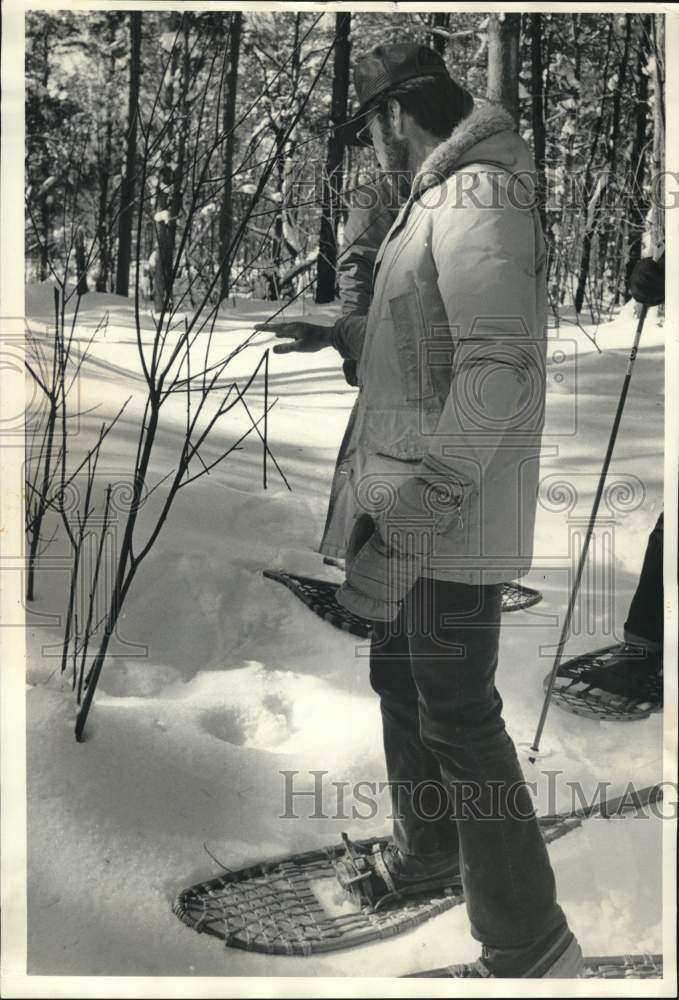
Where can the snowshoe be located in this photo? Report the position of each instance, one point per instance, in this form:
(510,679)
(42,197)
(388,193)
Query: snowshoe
(320,597)
(287,906)
(562,959)
(376,875)
(613,684)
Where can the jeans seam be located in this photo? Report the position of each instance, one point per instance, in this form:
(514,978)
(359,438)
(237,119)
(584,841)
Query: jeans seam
(503,833)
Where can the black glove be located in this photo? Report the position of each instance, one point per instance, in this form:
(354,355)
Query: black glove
(350,371)
(647,281)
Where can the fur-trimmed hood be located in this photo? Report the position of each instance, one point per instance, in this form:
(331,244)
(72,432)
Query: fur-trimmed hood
(487,135)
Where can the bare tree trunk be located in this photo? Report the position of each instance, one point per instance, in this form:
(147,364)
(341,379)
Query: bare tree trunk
(538,112)
(332,181)
(636,213)
(613,227)
(45,212)
(592,196)
(658,76)
(439,19)
(278,240)
(127,185)
(163,269)
(561,270)
(289,212)
(547,36)
(177,198)
(103,235)
(226,208)
(504,31)
(80,263)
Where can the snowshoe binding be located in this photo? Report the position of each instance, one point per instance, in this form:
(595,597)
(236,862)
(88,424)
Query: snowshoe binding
(377,875)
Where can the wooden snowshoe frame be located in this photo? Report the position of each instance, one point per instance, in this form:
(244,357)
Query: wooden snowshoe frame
(319,596)
(590,702)
(624,967)
(272,908)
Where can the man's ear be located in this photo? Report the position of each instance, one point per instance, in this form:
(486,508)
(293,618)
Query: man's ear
(396,118)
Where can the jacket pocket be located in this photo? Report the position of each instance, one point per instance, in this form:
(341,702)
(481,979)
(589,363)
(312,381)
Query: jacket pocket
(409,325)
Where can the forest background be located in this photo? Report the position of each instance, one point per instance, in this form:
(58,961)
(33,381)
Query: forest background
(222,126)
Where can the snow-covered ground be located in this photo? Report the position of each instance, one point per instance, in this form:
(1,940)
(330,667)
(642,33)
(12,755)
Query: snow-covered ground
(222,679)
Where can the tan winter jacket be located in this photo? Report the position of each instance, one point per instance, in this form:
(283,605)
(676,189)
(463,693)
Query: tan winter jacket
(452,369)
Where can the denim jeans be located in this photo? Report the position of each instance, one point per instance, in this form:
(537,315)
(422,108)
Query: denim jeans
(434,670)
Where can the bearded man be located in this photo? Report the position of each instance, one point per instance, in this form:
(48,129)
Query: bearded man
(438,504)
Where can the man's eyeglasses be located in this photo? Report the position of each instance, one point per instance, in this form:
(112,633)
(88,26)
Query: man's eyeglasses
(364,134)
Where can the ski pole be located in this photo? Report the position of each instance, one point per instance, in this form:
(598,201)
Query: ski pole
(535,746)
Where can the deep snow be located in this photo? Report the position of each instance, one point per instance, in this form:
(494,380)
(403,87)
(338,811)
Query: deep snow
(240,682)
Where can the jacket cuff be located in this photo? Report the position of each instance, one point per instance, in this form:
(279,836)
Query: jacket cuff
(347,335)
(364,606)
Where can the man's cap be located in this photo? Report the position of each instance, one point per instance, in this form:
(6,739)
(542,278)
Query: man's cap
(386,67)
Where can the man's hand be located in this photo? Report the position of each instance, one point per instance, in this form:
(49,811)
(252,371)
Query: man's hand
(305,336)
(378,578)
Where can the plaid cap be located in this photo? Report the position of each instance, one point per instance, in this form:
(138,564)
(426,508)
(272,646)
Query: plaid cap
(384,68)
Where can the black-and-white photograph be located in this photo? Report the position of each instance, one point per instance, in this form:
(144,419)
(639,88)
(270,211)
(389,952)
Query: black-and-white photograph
(335,479)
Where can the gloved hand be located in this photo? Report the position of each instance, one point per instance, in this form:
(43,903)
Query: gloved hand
(350,371)
(378,577)
(647,281)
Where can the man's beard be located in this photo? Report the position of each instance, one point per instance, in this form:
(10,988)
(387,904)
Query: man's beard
(396,152)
